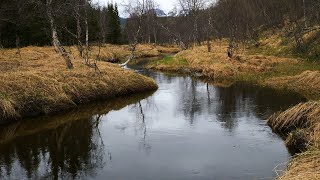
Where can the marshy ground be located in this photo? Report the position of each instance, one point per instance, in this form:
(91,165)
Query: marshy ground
(38,82)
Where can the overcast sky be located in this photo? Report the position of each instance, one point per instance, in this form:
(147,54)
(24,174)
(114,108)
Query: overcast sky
(165,5)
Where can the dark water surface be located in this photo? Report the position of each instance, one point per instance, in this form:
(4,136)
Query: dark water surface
(185,130)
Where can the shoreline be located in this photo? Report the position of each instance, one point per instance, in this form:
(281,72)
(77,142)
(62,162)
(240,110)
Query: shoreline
(306,155)
(34,125)
(296,75)
(39,84)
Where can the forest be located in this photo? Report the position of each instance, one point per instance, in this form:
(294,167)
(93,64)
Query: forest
(194,21)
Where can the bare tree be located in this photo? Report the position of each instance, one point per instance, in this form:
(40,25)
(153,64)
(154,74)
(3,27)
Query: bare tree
(136,13)
(87,3)
(55,40)
(79,30)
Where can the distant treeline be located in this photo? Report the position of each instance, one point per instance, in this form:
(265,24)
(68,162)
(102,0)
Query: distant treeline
(238,20)
(26,22)
(196,21)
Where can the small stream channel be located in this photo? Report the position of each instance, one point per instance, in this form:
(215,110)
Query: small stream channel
(187,129)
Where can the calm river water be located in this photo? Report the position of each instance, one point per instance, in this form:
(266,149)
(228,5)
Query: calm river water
(185,130)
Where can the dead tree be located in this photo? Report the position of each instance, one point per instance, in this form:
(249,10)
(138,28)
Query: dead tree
(176,37)
(55,40)
(133,47)
(230,50)
(18,46)
(138,11)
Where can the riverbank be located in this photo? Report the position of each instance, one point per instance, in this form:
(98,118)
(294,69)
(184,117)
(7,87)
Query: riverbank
(117,53)
(254,68)
(39,83)
(300,126)
(274,55)
(87,111)
(274,63)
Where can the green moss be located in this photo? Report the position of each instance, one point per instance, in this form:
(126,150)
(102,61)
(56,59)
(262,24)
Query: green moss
(170,60)
(283,69)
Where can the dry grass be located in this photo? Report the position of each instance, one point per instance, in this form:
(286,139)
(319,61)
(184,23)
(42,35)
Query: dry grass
(303,115)
(168,49)
(307,83)
(278,72)
(305,166)
(301,121)
(41,84)
(217,65)
(115,53)
(281,42)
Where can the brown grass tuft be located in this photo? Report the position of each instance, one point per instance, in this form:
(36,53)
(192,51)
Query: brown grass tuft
(40,83)
(305,166)
(301,124)
(307,83)
(116,53)
(303,115)
(216,64)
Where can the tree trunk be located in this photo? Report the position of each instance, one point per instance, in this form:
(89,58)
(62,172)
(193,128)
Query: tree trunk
(18,46)
(155,35)
(87,33)
(209,45)
(1,46)
(132,48)
(55,39)
(102,26)
(304,14)
(80,48)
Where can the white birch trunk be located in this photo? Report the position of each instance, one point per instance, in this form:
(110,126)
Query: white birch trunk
(87,32)
(55,39)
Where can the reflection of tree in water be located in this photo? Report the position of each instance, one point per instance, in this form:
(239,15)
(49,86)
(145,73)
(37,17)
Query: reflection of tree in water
(243,100)
(190,101)
(142,125)
(72,150)
(229,100)
(160,77)
(270,101)
(229,103)
(65,146)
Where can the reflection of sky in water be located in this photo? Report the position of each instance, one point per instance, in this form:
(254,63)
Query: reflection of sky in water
(185,130)
(192,131)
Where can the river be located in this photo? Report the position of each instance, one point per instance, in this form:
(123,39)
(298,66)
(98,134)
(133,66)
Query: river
(187,129)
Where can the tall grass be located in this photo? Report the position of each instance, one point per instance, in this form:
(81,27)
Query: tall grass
(305,119)
(40,83)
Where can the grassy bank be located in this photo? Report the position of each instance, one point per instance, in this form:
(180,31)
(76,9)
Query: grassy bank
(245,66)
(39,83)
(300,126)
(117,53)
(83,112)
(274,63)
(216,65)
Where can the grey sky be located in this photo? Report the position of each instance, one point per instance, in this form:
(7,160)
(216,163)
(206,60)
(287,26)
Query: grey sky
(165,5)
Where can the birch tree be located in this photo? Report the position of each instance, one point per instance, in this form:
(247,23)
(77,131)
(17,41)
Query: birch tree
(55,39)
